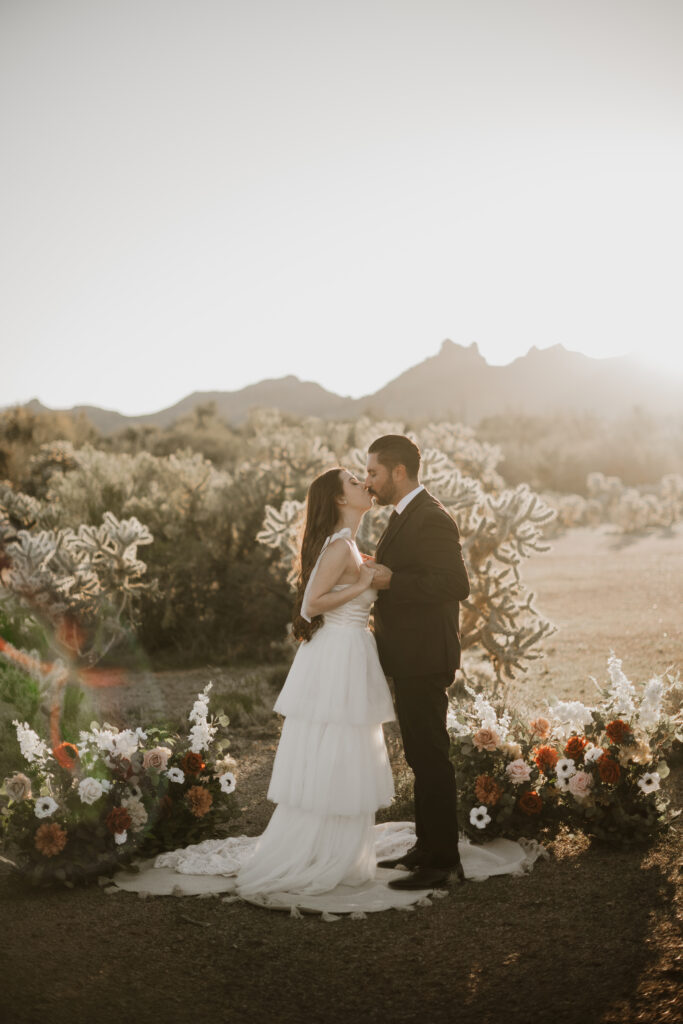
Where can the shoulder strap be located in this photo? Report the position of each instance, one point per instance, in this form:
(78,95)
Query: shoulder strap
(346,534)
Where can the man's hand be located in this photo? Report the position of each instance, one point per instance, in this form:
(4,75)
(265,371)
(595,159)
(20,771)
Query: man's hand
(382,578)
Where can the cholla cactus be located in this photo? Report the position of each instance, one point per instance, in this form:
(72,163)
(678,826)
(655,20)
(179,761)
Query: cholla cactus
(90,575)
(498,532)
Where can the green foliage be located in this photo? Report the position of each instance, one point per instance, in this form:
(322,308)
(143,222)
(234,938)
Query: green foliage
(20,698)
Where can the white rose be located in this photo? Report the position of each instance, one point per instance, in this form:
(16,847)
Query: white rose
(90,790)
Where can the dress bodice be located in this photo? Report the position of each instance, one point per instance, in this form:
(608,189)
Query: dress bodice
(354,613)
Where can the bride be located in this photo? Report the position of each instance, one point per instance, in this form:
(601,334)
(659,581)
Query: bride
(331,771)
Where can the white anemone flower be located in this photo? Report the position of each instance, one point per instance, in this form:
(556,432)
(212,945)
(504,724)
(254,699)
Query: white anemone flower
(228,782)
(565,768)
(649,782)
(480,816)
(592,753)
(176,775)
(45,807)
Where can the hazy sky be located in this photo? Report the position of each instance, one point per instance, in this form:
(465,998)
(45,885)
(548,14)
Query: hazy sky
(198,194)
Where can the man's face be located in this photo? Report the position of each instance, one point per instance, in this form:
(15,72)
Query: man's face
(379,481)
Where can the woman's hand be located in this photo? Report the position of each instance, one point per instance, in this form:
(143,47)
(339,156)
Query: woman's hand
(366,574)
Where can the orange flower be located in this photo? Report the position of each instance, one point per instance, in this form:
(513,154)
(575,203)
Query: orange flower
(192,763)
(199,800)
(487,790)
(118,820)
(530,803)
(50,839)
(66,754)
(617,730)
(540,726)
(546,758)
(575,746)
(609,769)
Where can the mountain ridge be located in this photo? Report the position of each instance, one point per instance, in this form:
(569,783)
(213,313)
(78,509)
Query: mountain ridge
(456,383)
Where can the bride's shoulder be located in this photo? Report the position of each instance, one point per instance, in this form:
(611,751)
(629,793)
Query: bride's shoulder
(337,548)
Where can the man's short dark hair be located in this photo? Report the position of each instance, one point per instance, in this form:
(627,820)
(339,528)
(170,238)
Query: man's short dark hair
(397,450)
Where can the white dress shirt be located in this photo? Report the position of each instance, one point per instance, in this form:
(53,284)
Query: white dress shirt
(407,498)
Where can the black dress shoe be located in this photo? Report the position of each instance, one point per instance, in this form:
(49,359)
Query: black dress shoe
(423,878)
(410,860)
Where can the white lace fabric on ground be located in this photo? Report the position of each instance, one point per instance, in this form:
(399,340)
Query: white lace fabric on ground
(213,866)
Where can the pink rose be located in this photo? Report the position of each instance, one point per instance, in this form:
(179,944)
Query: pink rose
(156,759)
(486,739)
(518,771)
(580,785)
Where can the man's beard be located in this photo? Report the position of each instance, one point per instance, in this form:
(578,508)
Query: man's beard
(381,499)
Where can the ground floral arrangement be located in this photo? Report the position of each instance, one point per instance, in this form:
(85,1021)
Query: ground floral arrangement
(596,769)
(83,809)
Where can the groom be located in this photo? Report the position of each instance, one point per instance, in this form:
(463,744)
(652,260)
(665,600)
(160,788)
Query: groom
(421,577)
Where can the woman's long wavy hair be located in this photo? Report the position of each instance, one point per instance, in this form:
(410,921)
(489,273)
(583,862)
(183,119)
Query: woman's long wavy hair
(322,513)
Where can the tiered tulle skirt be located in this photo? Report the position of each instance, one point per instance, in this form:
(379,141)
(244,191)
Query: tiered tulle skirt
(331,770)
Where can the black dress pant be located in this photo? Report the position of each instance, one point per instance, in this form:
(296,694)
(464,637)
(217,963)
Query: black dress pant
(421,706)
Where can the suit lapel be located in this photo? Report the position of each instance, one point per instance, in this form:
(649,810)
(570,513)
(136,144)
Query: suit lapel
(390,534)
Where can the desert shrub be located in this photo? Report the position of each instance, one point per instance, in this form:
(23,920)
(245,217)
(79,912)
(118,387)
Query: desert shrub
(556,453)
(630,509)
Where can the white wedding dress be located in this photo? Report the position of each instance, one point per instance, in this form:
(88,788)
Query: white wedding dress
(331,773)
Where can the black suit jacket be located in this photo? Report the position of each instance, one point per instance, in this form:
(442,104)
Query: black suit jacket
(417,618)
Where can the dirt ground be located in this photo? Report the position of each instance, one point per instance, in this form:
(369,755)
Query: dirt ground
(591,935)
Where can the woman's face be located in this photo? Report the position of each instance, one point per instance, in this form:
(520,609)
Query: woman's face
(355,494)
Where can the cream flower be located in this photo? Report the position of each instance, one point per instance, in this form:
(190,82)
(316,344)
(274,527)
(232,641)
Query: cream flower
(18,787)
(228,782)
(156,759)
(45,807)
(592,753)
(120,838)
(649,782)
(90,790)
(30,743)
(518,771)
(136,809)
(565,768)
(512,750)
(486,739)
(480,816)
(580,785)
